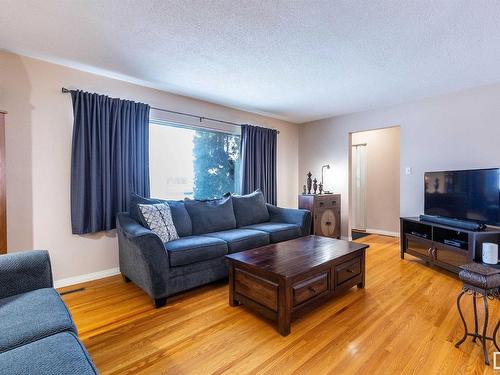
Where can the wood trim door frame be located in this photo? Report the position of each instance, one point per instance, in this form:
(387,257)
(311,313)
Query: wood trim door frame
(3,189)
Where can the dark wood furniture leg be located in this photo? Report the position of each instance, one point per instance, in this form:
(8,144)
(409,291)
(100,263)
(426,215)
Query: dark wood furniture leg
(232,301)
(125,278)
(284,309)
(160,302)
(361,285)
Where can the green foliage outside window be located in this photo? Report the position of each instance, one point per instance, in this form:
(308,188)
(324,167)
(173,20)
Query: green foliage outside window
(215,163)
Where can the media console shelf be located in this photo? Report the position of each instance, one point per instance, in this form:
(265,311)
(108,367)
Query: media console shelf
(441,245)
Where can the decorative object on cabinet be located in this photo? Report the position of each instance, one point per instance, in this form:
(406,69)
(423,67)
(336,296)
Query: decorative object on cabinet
(304,191)
(315,185)
(325,209)
(320,188)
(3,194)
(309,182)
(327,166)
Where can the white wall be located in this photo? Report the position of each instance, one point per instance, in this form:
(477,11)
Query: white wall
(455,131)
(382,178)
(38,136)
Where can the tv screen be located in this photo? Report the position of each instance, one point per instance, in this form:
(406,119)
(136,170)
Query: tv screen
(472,195)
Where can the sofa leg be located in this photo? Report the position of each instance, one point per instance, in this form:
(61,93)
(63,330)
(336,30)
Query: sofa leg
(125,278)
(160,302)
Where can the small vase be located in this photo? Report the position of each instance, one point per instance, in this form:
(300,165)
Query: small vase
(309,182)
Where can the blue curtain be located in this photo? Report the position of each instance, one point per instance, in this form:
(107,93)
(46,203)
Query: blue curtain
(258,161)
(109,159)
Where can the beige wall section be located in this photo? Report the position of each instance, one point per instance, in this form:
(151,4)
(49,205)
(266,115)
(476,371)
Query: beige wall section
(455,131)
(382,178)
(38,133)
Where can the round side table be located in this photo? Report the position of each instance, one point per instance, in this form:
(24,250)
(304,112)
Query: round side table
(480,281)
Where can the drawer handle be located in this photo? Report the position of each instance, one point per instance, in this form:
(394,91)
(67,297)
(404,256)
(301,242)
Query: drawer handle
(311,289)
(349,270)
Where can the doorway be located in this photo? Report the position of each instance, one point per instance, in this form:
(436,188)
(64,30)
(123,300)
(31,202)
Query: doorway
(374,182)
(358,173)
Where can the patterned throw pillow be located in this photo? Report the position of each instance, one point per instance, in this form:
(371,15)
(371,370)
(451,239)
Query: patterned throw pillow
(159,220)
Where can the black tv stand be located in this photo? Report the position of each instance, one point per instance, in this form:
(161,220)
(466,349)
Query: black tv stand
(442,245)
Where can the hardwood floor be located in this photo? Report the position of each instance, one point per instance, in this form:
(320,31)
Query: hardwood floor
(404,322)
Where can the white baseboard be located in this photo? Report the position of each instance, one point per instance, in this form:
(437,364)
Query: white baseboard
(382,232)
(87,277)
(346,238)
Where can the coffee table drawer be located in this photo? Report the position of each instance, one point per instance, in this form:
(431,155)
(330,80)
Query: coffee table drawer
(256,288)
(309,288)
(347,270)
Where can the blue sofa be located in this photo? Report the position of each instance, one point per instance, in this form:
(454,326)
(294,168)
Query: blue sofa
(37,333)
(208,231)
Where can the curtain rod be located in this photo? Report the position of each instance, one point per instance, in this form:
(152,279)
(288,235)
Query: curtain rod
(64,90)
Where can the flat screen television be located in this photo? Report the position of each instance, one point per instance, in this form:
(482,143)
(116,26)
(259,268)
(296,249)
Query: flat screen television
(472,195)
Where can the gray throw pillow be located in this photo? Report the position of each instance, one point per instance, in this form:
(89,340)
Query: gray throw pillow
(250,209)
(211,215)
(159,219)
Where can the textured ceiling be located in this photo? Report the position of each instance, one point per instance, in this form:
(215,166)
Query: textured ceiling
(295,60)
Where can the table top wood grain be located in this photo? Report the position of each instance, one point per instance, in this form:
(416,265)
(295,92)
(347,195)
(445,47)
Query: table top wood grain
(294,257)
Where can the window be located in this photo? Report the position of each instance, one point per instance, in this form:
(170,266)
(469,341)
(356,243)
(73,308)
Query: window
(192,162)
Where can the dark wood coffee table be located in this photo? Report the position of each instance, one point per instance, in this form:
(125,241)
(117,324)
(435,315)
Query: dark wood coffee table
(284,280)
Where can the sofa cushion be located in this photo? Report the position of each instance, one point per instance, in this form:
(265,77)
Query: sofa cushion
(180,216)
(194,249)
(182,220)
(31,316)
(61,354)
(250,209)
(278,232)
(211,215)
(241,239)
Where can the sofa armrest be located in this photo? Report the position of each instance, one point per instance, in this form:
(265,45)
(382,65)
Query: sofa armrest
(24,271)
(292,216)
(143,257)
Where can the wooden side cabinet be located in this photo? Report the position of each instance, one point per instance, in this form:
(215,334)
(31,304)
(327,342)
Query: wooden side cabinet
(3,190)
(325,209)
